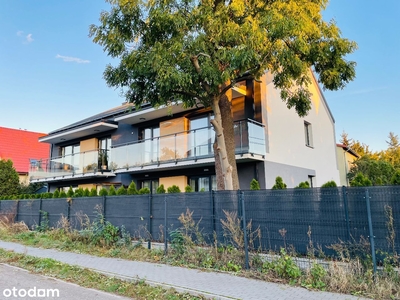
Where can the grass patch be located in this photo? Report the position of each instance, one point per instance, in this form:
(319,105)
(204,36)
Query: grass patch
(90,279)
(349,274)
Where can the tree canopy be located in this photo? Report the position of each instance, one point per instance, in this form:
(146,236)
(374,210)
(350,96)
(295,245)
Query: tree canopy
(195,51)
(379,167)
(9,180)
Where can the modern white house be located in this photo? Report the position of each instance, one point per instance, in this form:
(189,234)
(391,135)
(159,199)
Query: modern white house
(173,145)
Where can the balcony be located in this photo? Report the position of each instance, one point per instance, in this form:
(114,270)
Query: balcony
(84,164)
(186,148)
(194,147)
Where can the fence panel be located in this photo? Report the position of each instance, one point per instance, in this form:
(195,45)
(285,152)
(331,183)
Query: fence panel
(385,214)
(226,205)
(28,212)
(8,209)
(131,211)
(84,210)
(55,208)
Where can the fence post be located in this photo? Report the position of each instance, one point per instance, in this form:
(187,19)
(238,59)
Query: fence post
(246,247)
(346,211)
(68,210)
(150,217)
(165,226)
(371,234)
(212,195)
(40,211)
(104,207)
(16,214)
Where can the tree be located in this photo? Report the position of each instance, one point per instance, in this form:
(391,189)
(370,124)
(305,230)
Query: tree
(392,154)
(329,184)
(9,180)
(194,52)
(378,171)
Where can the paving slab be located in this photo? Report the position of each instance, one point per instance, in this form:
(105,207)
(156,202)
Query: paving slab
(212,285)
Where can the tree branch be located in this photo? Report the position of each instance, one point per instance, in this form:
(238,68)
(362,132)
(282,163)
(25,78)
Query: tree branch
(195,61)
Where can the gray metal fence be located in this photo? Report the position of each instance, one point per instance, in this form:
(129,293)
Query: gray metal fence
(294,217)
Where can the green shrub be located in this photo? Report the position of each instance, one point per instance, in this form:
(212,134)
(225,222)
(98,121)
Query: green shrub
(56,194)
(121,191)
(86,193)
(188,189)
(329,184)
(144,190)
(174,189)
(112,191)
(63,194)
(395,180)
(160,189)
(360,180)
(70,192)
(284,266)
(132,189)
(103,192)
(78,193)
(303,185)
(279,184)
(254,185)
(93,192)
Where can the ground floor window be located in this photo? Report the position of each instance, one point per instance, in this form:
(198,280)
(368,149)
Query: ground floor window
(151,184)
(203,183)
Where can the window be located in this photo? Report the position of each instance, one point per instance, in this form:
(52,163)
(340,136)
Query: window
(308,134)
(151,184)
(203,184)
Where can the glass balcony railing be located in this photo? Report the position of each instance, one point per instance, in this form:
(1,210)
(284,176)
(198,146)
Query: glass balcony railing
(188,145)
(77,163)
(193,144)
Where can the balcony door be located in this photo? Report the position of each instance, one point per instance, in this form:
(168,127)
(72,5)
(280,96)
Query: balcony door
(150,145)
(70,157)
(201,136)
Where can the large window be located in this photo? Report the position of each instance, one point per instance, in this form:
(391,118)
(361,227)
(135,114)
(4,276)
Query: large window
(204,183)
(308,134)
(201,137)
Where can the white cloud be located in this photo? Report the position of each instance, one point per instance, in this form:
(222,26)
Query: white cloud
(29,38)
(73,59)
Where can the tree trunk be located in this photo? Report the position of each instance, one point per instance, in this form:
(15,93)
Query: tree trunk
(225,106)
(221,147)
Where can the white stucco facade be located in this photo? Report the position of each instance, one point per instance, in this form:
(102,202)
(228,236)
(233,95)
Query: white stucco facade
(288,155)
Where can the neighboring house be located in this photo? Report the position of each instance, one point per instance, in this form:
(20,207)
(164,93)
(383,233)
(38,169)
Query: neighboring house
(23,148)
(345,156)
(173,145)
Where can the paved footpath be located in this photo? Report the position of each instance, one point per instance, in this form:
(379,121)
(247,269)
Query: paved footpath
(209,284)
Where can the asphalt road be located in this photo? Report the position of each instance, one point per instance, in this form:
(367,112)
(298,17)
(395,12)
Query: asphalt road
(17,283)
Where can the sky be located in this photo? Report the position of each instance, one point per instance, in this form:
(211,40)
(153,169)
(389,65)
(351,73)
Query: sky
(51,71)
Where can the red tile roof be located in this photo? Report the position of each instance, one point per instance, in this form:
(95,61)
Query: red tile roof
(20,146)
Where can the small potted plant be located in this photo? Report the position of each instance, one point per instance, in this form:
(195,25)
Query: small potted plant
(103,159)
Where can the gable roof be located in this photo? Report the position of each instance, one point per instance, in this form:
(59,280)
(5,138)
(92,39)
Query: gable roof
(20,146)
